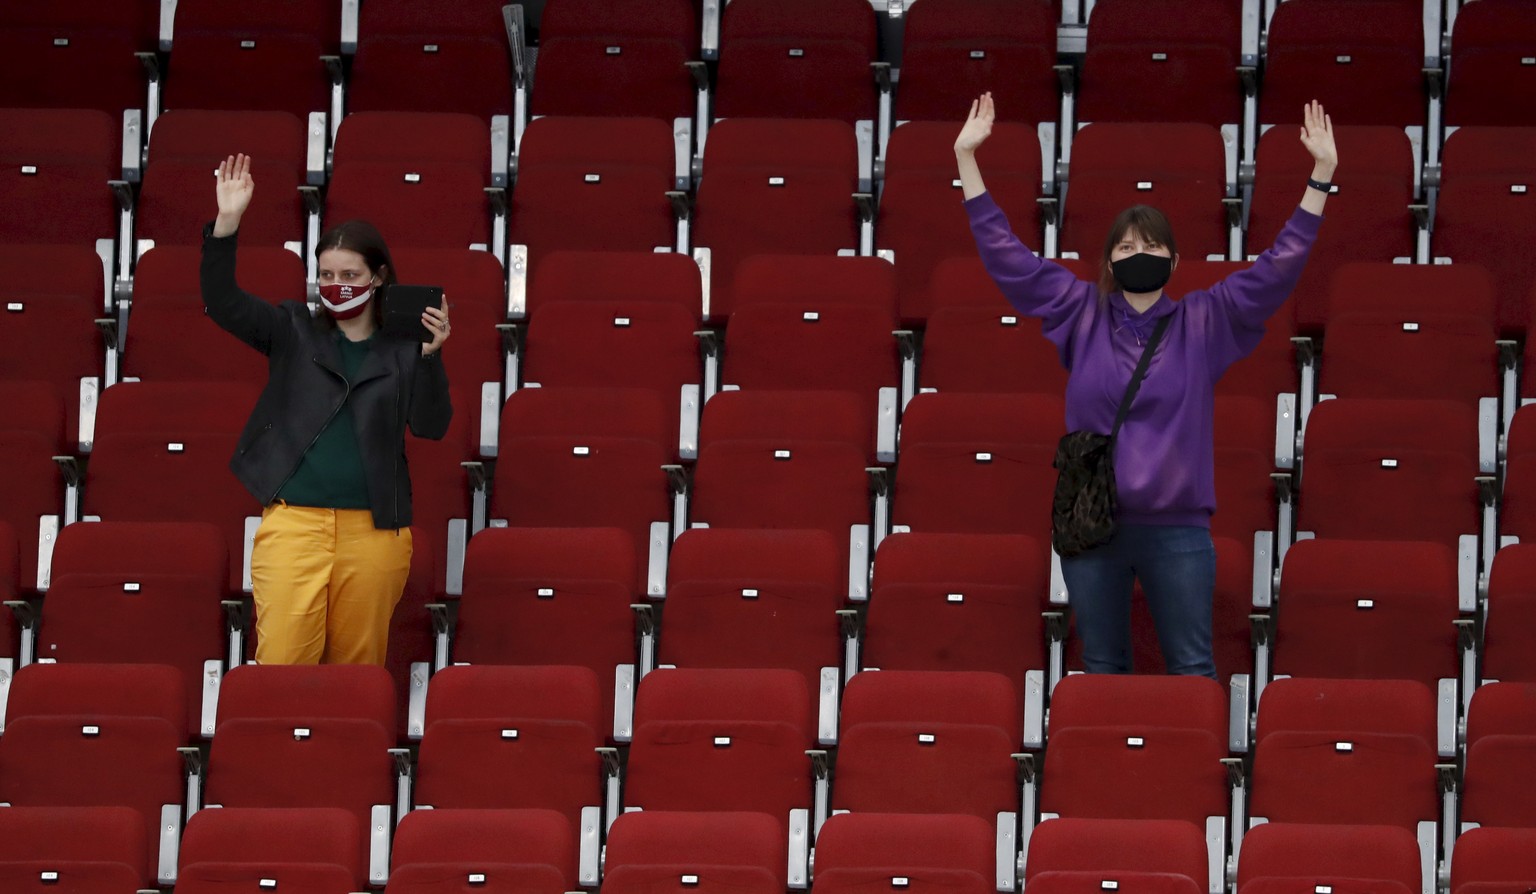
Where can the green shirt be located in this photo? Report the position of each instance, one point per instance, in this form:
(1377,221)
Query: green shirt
(331,473)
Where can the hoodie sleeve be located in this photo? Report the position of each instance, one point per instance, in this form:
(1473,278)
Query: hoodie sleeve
(1242,303)
(1034,286)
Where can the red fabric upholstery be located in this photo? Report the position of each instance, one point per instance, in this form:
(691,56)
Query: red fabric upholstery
(434,848)
(859,852)
(1484,206)
(941,71)
(756,598)
(1113,847)
(1493,861)
(446,59)
(580,75)
(1492,84)
(635,277)
(1163,61)
(1363,60)
(1362,858)
(265,57)
(1511,589)
(929,742)
(139,592)
(1353,491)
(958,602)
(506,617)
(94,850)
(76,55)
(310,849)
(797,59)
(57,163)
(515,737)
(779,483)
(789,416)
(652,851)
(1368,609)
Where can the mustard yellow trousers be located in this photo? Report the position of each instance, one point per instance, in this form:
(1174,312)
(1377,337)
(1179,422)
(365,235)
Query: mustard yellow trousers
(325,582)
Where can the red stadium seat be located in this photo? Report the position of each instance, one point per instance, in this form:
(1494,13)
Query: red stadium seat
(1390,470)
(653,851)
(420,177)
(1512,600)
(765,599)
(1491,81)
(1168,734)
(726,740)
(774,187)
(557,596)
(638,277)
(187,144)
(1484,207)
(516,738)
(77,55)
(587,458)
(1493,861)
(34,503)
(1368,220)
(1352,609)
(797,59)
(962,602)
(305,737)
(444,59)
(934,743)
(267,57)
(955,50)
(1180,168)
(1116,850)
(71,730)
(1363,60)
(1497,785)
(594,184)
(87,850)
(492,851)
(910,852)
(1302,855)
(616,59)
(312,850)
(1345,752)
(1164,61)
(921,217)
(57,165)
(162,454)
(142,593)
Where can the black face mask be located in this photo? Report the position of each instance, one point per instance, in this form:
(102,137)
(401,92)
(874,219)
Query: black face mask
(1142,272)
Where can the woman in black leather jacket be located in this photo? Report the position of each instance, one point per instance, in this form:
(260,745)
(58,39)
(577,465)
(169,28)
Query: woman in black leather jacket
(324,450)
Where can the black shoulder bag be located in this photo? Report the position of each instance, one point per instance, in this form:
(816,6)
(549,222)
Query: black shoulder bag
(1084,506)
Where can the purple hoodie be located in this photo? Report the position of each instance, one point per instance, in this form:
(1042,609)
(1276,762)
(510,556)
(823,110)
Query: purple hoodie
(1164,464)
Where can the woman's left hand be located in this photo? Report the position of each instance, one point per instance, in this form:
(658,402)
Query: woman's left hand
(1317,136)
(436,321)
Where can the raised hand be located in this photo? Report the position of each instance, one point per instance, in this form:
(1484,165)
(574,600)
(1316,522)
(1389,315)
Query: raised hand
(1317,136)
(978,125)
(233,190)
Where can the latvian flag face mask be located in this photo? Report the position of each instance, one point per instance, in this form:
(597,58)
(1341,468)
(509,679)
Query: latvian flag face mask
(343,301)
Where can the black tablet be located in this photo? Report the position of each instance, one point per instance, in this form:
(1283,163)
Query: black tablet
(403,306)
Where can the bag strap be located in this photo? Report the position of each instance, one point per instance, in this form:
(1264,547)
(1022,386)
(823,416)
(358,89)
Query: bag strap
(1139,374)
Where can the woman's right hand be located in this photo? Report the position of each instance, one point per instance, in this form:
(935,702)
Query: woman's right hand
(234,188)
(978,125)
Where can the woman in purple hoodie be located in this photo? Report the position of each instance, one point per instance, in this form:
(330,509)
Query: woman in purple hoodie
(1164,467)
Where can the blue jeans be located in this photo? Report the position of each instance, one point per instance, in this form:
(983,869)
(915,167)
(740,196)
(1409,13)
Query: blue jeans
(1177,570)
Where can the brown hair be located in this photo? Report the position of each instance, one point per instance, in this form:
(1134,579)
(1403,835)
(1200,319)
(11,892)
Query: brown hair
(1148,223)
(365,239)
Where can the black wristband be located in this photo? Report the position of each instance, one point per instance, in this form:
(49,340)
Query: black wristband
(1320,186)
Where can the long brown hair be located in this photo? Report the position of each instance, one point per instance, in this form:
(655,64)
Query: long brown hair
(365,239)
(1148,223)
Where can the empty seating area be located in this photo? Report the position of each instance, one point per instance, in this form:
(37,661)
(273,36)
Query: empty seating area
(733,572)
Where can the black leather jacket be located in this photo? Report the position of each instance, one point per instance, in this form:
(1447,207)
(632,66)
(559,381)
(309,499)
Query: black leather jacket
(395,388)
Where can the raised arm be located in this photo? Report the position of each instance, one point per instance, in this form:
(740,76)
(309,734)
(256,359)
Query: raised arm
(1033,286)
(245,316)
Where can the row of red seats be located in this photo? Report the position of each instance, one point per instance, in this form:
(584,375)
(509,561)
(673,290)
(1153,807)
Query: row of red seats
(770,186)
(809,58)
(308,749)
